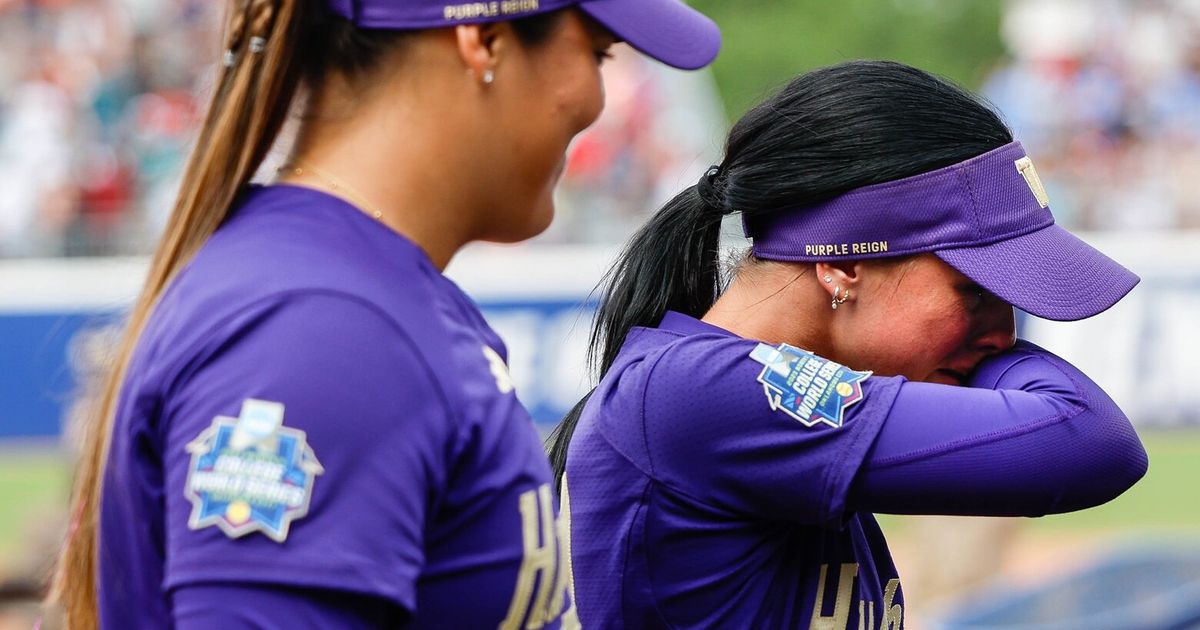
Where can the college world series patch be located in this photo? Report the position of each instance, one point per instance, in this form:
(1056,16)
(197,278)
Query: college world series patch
(250,473)
(805,386)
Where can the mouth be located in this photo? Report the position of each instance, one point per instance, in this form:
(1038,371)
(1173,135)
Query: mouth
(948,376)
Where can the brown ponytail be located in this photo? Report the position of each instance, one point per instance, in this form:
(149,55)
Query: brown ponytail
(272,47)
(252,99)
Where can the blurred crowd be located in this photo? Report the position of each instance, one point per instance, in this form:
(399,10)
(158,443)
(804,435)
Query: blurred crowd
(97,103)
(98,100)
(1105,94)
(660,131)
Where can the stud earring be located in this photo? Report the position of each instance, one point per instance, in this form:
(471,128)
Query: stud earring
(488,76)
(828,278)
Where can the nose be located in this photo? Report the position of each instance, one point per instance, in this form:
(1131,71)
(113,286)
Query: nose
(997,328)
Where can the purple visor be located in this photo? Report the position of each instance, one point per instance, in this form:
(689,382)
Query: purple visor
(987,217)
(667,30)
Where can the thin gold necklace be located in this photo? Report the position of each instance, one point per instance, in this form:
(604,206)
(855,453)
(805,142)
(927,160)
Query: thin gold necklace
(298,168)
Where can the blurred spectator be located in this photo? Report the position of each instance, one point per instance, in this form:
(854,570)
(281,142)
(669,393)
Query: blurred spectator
(99,98)
(1106,96)
(660,130)
(97,104)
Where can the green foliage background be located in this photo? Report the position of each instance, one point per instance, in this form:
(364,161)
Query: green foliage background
(767,42)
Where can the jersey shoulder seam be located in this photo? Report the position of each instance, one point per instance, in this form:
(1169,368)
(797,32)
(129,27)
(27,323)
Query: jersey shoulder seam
(661,352)
(651,478)
(834,474)
(662,616)
(654,478)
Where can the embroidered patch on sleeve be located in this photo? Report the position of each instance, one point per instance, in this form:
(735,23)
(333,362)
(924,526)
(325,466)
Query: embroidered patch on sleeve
(250,473)
(805,386)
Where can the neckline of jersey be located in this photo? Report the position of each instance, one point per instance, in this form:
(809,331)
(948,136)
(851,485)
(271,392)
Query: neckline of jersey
(688,325)
(356,216)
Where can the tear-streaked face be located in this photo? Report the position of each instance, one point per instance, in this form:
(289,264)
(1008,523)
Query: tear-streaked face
(922,319)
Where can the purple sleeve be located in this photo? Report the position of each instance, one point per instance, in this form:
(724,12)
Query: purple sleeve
(1031,435)
(351,387)
(713,434)
(246,607)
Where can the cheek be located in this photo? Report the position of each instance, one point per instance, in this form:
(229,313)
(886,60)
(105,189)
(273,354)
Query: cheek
(913,339)
(564,98)
(580,99)
(947,334)
(573,102)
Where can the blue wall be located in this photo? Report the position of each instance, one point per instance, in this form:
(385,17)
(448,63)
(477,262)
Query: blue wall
(1145,353)
(37,373)
(42,360)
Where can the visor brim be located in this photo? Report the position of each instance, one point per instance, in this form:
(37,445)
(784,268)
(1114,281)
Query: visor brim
(1049,273)
(666,30)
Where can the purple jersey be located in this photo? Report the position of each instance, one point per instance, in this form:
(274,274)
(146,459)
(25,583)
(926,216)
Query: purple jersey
(718,482)
(314,406)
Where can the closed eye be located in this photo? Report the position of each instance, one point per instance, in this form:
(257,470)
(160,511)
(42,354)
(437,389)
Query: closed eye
(973,295)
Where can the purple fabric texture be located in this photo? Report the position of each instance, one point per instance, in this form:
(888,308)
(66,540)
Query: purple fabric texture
(667,30)
(693,504)
(1050,273)
(716,509)
(246,606)
(986,217)
(1027,417)
(418,14)
(432,475)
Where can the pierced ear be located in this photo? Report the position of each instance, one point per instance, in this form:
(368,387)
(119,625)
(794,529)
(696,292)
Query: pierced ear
(837,274)
(479,46)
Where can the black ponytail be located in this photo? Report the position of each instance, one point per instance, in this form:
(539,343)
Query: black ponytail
(827,132)
(670,264)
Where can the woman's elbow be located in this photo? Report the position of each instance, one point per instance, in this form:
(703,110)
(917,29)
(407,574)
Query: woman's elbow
(1110,461)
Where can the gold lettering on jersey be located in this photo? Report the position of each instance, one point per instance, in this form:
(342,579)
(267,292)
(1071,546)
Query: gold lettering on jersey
(846,249)
(893,614)
(542,548)
(841,609)
(496,8)
(1025,166)
(866,615)
(566,574)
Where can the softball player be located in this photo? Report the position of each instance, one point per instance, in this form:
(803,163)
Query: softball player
(724,472)
(309,425)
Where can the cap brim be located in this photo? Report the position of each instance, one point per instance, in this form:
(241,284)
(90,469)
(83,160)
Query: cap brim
(1049,273)
(667,30)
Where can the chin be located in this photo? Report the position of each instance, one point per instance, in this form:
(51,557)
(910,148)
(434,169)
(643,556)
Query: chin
(525,227)
(541,219)
(542,214)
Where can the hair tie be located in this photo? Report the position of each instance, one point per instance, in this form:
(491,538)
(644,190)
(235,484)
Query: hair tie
(707,190)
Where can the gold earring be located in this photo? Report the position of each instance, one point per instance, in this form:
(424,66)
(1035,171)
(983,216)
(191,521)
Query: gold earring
(839,300)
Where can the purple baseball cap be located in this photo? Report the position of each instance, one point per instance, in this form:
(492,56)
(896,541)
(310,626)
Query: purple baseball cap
(667,30)
(987,217)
